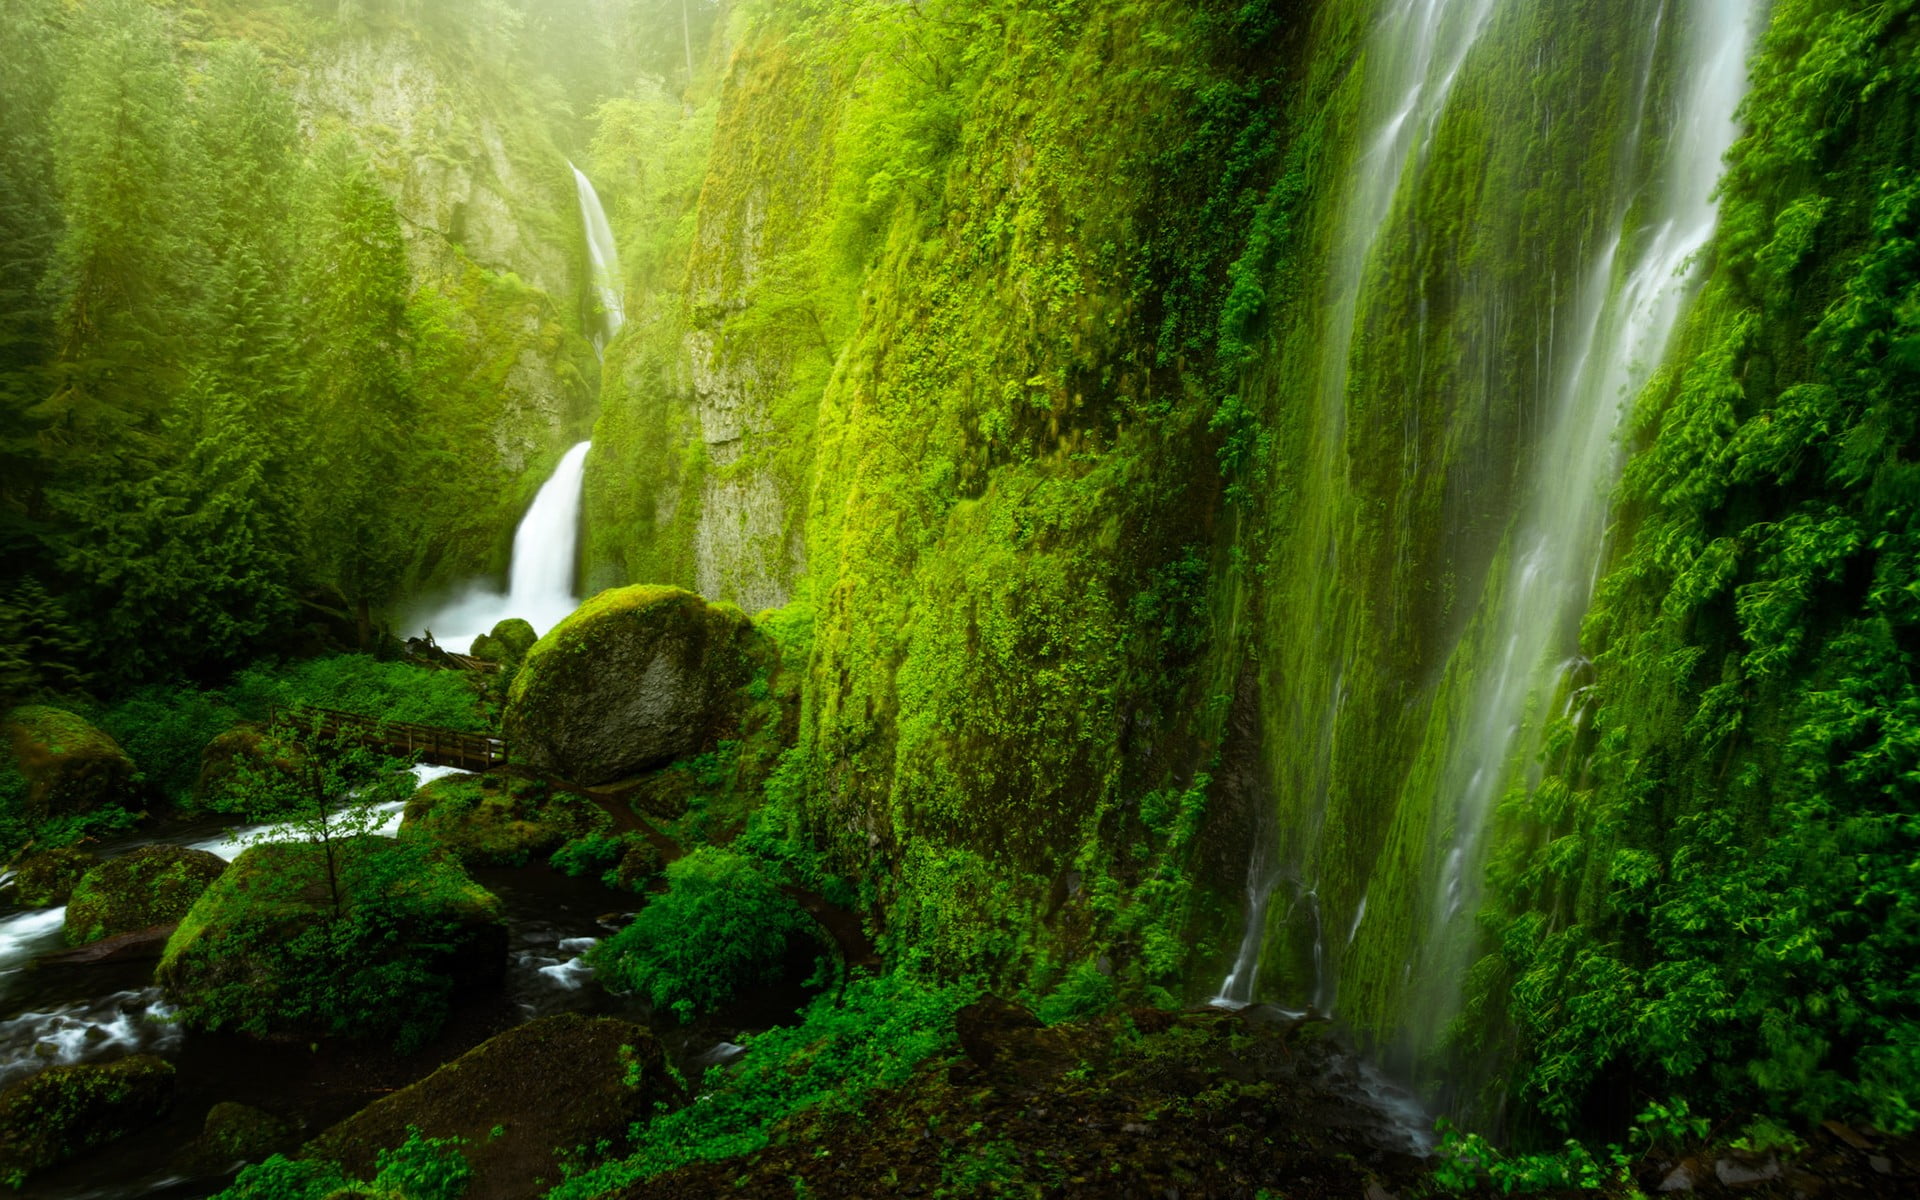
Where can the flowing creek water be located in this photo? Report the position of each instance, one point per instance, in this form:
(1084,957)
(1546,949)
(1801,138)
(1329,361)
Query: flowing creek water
(55,1013)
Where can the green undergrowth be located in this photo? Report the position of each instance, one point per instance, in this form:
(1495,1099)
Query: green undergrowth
(164,727)
(421,1168)
(722,929)
(871,1035)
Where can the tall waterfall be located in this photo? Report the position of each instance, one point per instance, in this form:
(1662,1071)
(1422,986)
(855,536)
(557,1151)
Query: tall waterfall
(540,581)
(1419,48)
(1630,306)
(1504,267)
(603,258)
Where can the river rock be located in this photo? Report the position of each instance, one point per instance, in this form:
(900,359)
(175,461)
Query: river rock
(636,678)
(238,757)
(548,1085)
(70,766)
(235,1133)
(490,822)
(264,951)
(63,1112)
(150,886)
(47,879)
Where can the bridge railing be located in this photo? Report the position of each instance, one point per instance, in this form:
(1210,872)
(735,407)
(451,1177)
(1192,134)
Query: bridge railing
(426,743)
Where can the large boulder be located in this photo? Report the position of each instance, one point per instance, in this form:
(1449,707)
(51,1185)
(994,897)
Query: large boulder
(544,1087)
(154,885)
(69,766)
(283,946)
(63,1112)
(47,879)
(636,678)
(489,821)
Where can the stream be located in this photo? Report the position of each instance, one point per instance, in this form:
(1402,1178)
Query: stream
(55,1014)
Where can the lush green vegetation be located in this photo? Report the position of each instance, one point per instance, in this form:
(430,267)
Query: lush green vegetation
(867,1037)
(722,929)
(421,1168)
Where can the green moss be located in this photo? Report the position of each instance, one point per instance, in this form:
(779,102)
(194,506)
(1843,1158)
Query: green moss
(497,822)
(69,765)
(64,1112)
(266,952)
(154,885)
(46,879)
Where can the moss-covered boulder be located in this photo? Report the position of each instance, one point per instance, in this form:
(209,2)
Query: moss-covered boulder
(637,677)
(69,766)
(546,1086)
(508,643)
(63,1112)
(235,1133)
(375,946)
(47,879)
(154,885)
(495,822)
(243,755)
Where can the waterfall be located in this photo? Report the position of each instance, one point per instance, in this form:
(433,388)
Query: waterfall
(1636,292)
(540,581)
(603,257)
(1420,47)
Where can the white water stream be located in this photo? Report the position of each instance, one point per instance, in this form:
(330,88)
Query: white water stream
(1636,293)
(603,258)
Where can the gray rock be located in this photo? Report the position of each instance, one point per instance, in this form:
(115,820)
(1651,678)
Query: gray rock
(636,678)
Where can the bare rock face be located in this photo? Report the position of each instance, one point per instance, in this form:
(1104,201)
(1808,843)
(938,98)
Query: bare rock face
(636,678)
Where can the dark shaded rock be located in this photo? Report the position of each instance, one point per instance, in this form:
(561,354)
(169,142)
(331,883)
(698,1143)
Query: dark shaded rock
(1746,1173)
(242,752)
(69,766)
(63,1112)
(143,888)
(636,678)
(987,1026)
(47,879)
(235,1133)
(122,947)
(549,1085)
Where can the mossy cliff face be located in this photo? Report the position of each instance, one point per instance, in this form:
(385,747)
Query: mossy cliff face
(634,679)
(492,232)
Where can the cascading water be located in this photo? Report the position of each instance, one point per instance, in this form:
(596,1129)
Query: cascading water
(1420,46)
(540,581)
(603,257)
(1631,306)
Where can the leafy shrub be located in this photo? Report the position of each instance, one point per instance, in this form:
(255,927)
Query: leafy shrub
(723,927)
(1083,992)
(421,1168)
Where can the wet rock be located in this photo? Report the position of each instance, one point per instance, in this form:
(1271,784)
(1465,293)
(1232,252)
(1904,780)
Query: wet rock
(46,880)
(500,826)
(153,885)
(548,1085)
(1741,1173)
(1680,1179)
(637,677)
(238,759)
(235,1133)
(122,947)
(63,1112)
(70,766)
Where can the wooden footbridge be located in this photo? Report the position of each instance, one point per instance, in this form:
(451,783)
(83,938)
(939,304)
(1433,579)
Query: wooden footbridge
(422,743)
